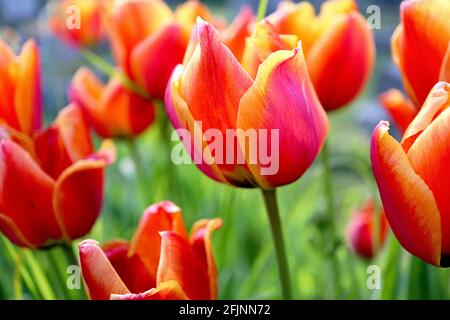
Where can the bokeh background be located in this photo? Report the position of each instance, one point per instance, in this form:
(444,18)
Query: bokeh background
(243,247)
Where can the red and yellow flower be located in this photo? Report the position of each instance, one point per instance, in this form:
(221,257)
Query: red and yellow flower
(412,179)
(161,262)
(401,109)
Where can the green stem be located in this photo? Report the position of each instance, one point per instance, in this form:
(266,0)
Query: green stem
(105,67)
(140,173)
(71,258)
(331,254)
(262,9)
(270,200)
(17,279)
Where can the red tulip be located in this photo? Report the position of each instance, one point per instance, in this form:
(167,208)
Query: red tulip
(338,45)
(421,46)
(160,263)
(213,88)
(20,88)
(112,110)
(52,192)
(401,109)
(412,179)
(362,230)
(79,22)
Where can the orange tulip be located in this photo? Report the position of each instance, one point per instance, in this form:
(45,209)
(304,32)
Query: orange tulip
(212,91)
(338,45)
(361,231)
(112,110)
(52,192)
(412,179)
(149,40)
(79,22)
(402,110)
(421,46)
(20,88)
(160,263)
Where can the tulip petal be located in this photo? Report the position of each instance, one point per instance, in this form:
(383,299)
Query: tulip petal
(201,243)
(25,197)
(339,75)
(153,60)
(179,263)
(7,86)
(401,109)
(169,290)
(444,75)
(100,278)
(163,216)
(408,202)
(300,120)
(78,194)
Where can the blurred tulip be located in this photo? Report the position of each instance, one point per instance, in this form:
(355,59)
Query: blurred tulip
(361,231)
(52,193)
(160,263)
(79,22)
(20,88)
(338,45)
(149,40)
(421,46)
(401,109)
(412,179)
(112,110)
(213,88)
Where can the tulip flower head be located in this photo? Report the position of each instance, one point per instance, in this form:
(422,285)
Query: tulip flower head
(338,46)
(160,263)
(402,110)
(412,179)
(112,110)
(361,232)
(52,187)
(421,46)
(212,97)
(20,88)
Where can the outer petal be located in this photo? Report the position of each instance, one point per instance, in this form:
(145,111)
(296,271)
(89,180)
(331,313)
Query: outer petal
(169,290)
(180,263)
(424,32)
(78,194)
(445,68)
(282,98)
(25,198)
(153,60)
(100,278)
(201,243)
(7,87)
(340,63)
(163,216)
(430,158)
(408,202)
(401,109)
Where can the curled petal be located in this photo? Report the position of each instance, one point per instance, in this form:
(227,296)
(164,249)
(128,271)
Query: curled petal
(169,290)
(78,194)
(99,276)
(163,216)
(408,202)
(401,109)
(300,121)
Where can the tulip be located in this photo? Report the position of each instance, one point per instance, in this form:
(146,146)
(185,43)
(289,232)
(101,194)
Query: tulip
(79,22)
(52,192)
(149,40)
(112,110)
(212,89)
(338,46)
(421,46)
(160,263)
(412,179)
(402,110)
(361,231)
(20,89)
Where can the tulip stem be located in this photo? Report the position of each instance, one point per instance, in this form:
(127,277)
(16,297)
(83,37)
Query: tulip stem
(104,66)
(140,173)
(71,258)
(270,200)
(262,9)
(331,242)
(17,279)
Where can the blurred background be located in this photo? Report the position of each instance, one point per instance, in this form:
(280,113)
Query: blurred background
(243,247)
